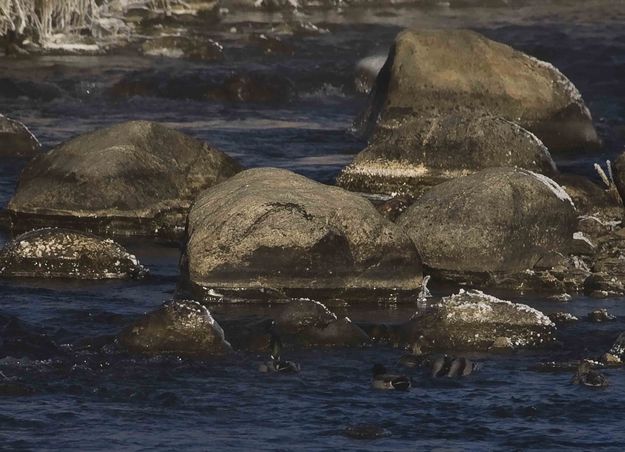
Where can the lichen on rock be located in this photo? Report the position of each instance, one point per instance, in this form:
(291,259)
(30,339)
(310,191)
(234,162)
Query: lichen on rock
(61,253)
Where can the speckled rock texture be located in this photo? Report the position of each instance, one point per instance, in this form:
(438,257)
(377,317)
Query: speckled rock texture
(137,177)
(61,253)
(437,71)
(411,155)
(500,220)
(16,140)
(183,328)
(184,47)
(270,229)
(478,322)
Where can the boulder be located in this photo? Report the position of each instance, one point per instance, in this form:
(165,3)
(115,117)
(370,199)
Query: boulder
(475,321)
(21,340)
(61,253)
(434,71)
(183,328)
(500,221)
(590,199)
(16,140)
(411,155)
(275,232)
(134,178)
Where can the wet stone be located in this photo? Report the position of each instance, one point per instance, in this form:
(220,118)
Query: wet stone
(435,71)
(183,328)
(16,140)
(272,229)
(62,253)
(478,322)
(600,315)
(134,178)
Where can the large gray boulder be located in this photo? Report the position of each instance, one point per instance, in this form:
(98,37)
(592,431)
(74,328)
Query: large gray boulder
(16,140)
(183,328)
(475,321)
(60,253)
(137,177)
(413,154)
(272,230)
(437,71)
(500,220)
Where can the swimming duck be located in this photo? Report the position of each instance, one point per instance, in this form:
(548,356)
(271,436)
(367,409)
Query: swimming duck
(384,380)
(586,376)
(276,363)
(415,358)
(447,366)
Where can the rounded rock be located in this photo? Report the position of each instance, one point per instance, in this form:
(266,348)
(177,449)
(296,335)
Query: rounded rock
(16,140)
(183,328)
(439,70)
(413,154)
(134,178)
(272,229)
(61,253)
(500,220)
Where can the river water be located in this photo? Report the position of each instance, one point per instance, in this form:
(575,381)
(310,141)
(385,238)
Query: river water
(89,397)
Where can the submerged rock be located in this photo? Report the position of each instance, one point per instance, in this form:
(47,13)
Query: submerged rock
(414,154)
(500,221)
(20,340)
(134,178)
(310,323)
(16,140)
(437,71)
(61,253)
(477,322)
(184,47)
(600,315)
(270,230)
(178,327)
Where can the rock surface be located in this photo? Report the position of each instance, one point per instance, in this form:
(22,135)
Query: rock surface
(412,155)
(270,229)
(16,140)
(500,220)
(136,177)
(178,327)
(476,321)
(61,253)
(429,72)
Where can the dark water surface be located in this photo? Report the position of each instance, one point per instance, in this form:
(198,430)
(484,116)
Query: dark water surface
(89,397)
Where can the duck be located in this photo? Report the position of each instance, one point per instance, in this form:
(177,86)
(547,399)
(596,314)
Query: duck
(586,376)
(383,380)
(276,363)
(447,366)
(415,358)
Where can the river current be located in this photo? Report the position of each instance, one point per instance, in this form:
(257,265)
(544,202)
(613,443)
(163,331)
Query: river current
(88,397)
